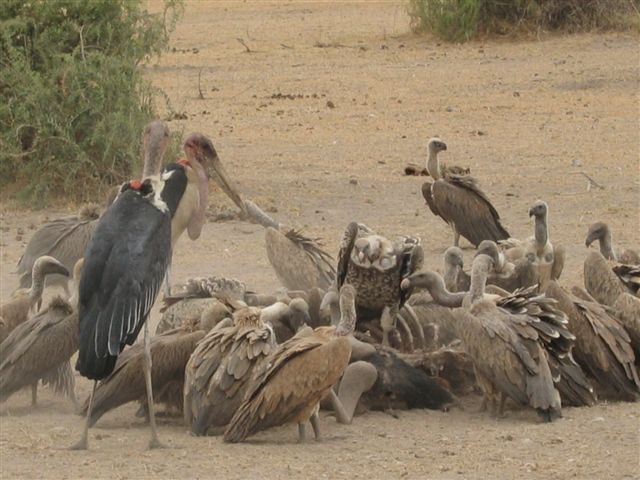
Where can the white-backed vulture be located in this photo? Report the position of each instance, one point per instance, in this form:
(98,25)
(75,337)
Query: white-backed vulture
(218,373)
(170,352)
(299,262)
(297,375)
(605,285)
(506,347)
(41,347)
(509,277)
(66,238)
(26,301)
(458,200)
(546,259)
(603,347)
(199,295)
(601,232)
(375,266)
(434,146)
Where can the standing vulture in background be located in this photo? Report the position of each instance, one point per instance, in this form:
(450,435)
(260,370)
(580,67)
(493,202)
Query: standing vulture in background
(375,266)
(600,231)
(300,262)
(546,259)
(504,342)
(25,300)
(41,348)
(298,374)
(219,371)
(602,348)
(458,200)
(66,238)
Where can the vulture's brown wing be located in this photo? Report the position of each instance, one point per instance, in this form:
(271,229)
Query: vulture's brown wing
(218,374)
(602,347)
(36,347)
(344,254)
(559,256)
(292,381)
(629,257)
(627,310)
(600,281)
(459,200)
(426,193)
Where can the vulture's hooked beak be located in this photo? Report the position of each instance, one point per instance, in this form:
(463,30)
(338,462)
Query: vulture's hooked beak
(219,174)
(589,241)
(405,284)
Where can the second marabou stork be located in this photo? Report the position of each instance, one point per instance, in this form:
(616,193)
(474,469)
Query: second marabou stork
(127,259)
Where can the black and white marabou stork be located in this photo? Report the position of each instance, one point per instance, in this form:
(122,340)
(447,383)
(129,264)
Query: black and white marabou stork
(128,257)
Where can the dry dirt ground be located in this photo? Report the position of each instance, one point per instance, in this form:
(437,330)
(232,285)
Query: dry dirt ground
(529,117)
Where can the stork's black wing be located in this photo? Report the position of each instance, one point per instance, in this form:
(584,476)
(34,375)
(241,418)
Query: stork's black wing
(125,263)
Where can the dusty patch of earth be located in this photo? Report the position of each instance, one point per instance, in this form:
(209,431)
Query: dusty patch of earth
(334,92)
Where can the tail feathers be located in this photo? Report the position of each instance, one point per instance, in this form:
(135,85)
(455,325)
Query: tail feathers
(240,426)
(94,360)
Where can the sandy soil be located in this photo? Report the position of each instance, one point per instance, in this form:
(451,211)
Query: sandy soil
(529,117)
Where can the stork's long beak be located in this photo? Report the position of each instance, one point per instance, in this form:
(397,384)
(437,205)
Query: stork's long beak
(219,174)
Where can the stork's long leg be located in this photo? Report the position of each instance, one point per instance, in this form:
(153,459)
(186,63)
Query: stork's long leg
(83,444)
(154,442)
(413,317)
(167,281)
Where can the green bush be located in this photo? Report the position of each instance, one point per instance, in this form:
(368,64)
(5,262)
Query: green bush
(73,102)
(459,20)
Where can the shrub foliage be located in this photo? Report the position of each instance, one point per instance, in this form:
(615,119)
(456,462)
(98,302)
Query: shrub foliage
(73,102)
(459,20)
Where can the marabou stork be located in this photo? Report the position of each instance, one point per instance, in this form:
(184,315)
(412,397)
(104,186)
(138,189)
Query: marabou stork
(126,261)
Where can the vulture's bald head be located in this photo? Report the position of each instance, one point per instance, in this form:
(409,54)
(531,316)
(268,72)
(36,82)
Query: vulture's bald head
(538,209)
(436,145)
(597,231)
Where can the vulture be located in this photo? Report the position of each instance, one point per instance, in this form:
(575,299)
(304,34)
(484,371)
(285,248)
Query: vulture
(300,263)
(170,352)
(285,319)
(601,232)
(288,387)
(25,301)
(509,276)
(458,200)
(375,266)
(219,371)
(66,238)
(602,347)
(198,296)
(505,345)
(377,378)
(607,286)
(546,259)
(41,349)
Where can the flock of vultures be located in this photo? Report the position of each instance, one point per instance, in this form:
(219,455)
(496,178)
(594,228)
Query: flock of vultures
(372,330)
